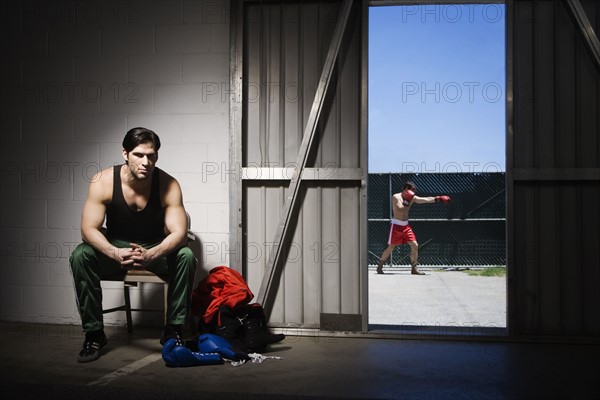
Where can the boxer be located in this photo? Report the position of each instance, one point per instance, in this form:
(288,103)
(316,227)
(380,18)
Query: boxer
(400,231)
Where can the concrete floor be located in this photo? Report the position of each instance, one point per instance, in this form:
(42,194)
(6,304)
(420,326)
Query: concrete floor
(39,361)
(440,298)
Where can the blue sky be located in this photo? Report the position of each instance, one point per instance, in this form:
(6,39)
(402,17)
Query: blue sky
(437,88)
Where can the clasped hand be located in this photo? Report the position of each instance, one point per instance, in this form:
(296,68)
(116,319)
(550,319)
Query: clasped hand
(135,256)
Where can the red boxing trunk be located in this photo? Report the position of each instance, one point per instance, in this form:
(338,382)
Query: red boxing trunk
(400,233)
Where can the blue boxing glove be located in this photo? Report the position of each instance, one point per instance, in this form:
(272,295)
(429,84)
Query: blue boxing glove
(209,343)
(180,356)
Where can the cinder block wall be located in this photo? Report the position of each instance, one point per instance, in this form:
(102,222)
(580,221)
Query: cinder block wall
(74,77)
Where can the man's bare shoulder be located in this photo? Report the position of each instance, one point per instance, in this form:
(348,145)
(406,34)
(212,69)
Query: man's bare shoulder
(170,189)
(101,185)
(167,180)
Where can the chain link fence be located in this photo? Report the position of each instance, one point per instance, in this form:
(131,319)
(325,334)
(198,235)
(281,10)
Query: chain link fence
(468,231)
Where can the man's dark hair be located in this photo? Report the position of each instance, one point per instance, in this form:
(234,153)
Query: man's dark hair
(410,186)
(137,136)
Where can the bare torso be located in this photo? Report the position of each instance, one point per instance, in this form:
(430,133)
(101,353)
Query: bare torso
(399,210)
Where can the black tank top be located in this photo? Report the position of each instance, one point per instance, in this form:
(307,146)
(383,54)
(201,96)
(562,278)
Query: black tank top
(122,222)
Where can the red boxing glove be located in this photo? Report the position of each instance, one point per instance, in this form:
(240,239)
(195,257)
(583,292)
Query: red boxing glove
(443,199)
(407,196)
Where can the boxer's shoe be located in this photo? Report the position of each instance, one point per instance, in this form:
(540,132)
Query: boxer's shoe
(94,341)
(415,271)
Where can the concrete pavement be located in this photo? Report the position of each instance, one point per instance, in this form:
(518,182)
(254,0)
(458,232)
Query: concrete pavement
(446,298)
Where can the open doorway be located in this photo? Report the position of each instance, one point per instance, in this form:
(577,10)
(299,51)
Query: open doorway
(437,118)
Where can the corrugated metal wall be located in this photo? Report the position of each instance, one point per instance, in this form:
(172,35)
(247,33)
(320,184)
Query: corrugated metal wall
(553,166)
(554,160)
(285,46)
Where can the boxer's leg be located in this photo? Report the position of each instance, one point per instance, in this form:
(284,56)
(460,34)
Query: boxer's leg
(414,257)
(384,256)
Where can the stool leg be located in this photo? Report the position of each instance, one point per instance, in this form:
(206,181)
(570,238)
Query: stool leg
(166,300)
(128,308)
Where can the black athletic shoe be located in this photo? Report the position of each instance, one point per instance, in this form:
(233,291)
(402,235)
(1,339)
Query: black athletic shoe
(91,347)
(172,332)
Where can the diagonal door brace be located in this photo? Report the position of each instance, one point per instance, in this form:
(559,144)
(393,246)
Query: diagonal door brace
(586,29)
(265,294)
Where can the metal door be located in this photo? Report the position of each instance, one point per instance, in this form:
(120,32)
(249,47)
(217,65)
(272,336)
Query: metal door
(553,169)
(298,134)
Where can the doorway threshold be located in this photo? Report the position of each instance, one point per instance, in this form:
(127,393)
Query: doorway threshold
(441,331)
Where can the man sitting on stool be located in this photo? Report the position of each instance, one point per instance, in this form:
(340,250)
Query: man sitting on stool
(146,227)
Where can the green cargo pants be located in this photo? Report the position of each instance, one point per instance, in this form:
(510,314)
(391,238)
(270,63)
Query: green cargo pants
(89,266)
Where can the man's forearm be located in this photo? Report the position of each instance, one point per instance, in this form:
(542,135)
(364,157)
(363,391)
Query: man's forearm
(98,241)
(425,200)
(172,242)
